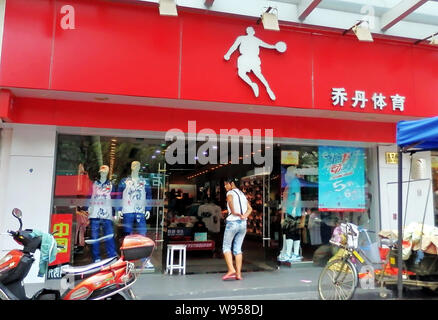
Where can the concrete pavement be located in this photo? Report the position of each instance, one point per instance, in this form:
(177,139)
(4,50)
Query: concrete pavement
(298,282)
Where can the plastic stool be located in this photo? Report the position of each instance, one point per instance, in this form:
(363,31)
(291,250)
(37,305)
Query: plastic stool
(170,265)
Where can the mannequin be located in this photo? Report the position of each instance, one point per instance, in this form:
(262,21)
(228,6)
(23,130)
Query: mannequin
(100,214)
(135,192)
(290,218)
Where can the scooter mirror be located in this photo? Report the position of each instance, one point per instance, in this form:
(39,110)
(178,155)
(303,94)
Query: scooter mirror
(17,213)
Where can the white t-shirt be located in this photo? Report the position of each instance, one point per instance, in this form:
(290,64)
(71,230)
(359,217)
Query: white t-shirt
(237,194)
(100,204)
(211,214)
(135,195)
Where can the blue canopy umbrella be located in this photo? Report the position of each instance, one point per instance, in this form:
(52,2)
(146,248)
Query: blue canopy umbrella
(412,136)
(418,135)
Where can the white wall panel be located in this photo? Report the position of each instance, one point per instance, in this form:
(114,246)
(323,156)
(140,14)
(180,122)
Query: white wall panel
(29,184)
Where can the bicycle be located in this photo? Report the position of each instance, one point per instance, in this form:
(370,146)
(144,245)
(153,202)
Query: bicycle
(340,277)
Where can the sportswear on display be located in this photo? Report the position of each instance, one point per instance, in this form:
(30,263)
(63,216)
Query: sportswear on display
(135,193)
(292,189)
(100,202)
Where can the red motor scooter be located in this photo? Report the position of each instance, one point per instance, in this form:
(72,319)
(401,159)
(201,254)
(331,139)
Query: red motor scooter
(107,279)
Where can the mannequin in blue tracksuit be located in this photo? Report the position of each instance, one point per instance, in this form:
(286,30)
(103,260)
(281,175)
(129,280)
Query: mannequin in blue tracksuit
(135,191)
(291,211)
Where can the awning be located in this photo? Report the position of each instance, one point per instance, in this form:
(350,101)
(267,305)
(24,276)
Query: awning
(418,134)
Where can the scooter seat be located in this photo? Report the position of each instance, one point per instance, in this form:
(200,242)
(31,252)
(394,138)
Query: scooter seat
(89,268)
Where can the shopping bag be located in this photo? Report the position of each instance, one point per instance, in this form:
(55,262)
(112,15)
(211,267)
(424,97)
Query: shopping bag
(369,249)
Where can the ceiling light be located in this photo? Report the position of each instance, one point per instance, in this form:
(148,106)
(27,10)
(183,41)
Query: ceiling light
(270,20)
(168,8)
(362,31)
(433,40)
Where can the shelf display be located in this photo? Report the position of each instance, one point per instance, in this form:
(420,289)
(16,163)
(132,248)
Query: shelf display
(253,189)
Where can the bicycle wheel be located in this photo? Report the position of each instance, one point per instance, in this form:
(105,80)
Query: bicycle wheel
(337,281)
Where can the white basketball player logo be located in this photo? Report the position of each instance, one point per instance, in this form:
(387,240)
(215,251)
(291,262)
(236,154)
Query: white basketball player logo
(249,60)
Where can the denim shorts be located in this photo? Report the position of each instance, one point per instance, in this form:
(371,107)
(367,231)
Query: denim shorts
(233,236)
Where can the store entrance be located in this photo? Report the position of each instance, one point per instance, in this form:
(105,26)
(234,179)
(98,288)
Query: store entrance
(196,211)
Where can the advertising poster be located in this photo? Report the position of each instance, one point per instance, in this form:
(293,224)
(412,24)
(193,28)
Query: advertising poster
(63,225)
(341,179)
(289,157)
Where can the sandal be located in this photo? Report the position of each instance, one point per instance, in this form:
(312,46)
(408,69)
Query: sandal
(229,277)
(239,277)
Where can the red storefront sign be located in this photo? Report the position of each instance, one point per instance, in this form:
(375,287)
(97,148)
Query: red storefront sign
(131,50)
(63,225)
(134,53)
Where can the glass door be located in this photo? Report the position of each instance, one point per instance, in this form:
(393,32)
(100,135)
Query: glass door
(257,244)
(159,183)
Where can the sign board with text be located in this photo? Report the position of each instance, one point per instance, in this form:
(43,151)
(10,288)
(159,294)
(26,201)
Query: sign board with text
(341,184)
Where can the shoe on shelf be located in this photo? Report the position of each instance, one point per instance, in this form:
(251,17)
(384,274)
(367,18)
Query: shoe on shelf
(149,265)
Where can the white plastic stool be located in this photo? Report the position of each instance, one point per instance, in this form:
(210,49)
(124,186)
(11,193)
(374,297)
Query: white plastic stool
(170,265)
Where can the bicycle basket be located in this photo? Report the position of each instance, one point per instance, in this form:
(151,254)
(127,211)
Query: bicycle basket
(369,248)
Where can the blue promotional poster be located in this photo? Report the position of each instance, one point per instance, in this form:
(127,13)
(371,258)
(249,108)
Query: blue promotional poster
(341,179)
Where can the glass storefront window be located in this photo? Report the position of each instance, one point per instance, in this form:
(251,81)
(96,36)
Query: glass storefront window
(321,187)
(186,202)
(99,180)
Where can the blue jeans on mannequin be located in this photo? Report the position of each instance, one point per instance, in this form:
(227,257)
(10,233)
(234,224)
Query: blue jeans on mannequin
(108,229)
(137,219)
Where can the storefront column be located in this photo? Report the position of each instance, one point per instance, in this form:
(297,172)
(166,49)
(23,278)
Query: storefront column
(420,201)
(5,149)
(26,171)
